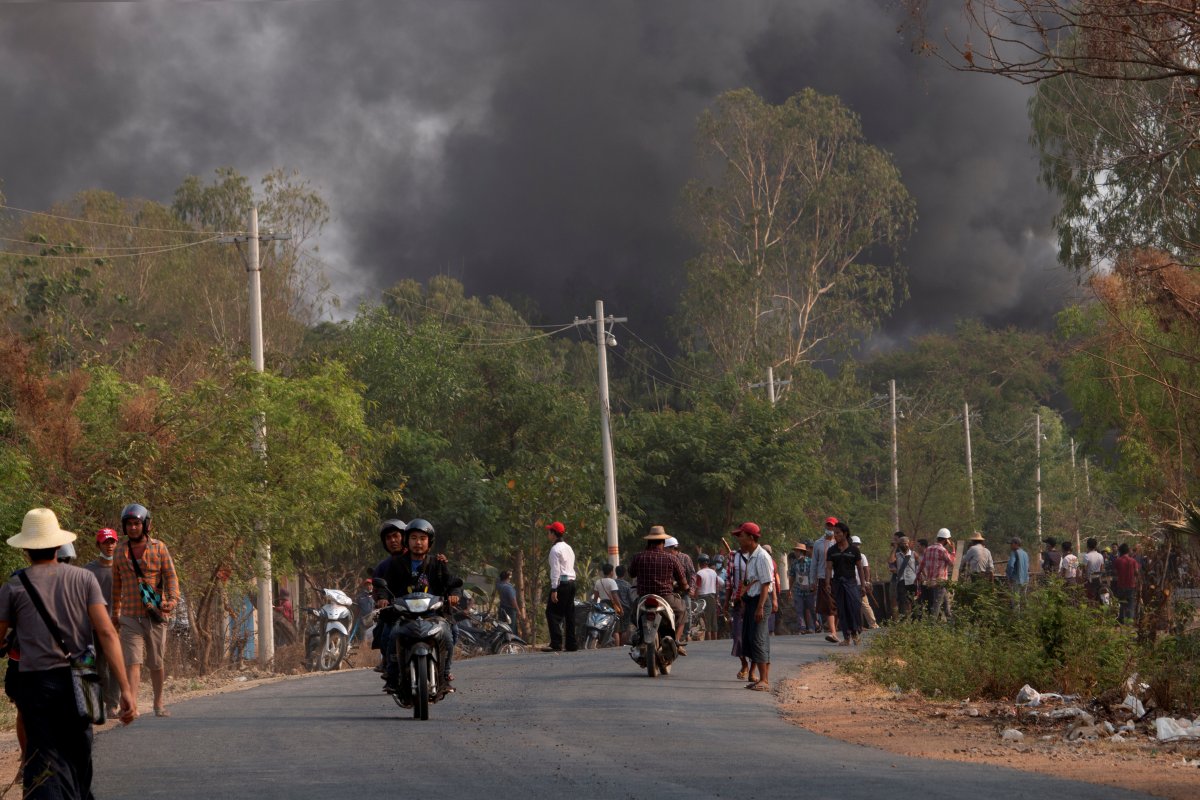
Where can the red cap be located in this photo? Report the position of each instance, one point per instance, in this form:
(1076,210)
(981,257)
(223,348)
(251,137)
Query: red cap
(831,520)
(106,535)
(556,527)
(750,528)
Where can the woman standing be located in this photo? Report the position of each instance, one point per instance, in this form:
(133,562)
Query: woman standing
(841,577)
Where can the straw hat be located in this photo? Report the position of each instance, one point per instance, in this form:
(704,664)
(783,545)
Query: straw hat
(657,533)
(977,537)
(40,531)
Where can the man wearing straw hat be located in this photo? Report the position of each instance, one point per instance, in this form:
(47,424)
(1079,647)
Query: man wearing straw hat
(58,738)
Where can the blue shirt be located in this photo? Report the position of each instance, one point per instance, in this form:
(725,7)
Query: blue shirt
(1017,571)
(508,595)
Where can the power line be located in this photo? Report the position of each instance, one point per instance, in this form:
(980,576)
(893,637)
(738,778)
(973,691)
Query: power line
(556,326)
(77,245)
(676,362)
(122,225)
(96,256)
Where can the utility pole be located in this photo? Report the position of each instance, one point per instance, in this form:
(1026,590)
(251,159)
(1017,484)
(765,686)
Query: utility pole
(604,340)
(970,472)
(1037,438)
(895,465)
(1087,483)
(1075,496)
(770,383)
(266,628)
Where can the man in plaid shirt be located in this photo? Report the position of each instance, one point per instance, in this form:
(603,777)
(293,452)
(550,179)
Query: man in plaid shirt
(657,572)
(933,573)
(142,639)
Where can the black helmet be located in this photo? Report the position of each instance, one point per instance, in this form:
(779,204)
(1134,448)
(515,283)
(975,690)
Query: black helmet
(390,525)
(420,526)
(136,511)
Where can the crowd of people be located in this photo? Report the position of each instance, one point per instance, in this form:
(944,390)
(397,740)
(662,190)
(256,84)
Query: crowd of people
(61,623)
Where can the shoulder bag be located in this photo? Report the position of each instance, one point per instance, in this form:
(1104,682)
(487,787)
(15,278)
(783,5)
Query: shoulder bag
(89,693)
(151,599)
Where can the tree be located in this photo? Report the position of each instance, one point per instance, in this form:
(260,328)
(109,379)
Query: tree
(1115,113)
(788,228)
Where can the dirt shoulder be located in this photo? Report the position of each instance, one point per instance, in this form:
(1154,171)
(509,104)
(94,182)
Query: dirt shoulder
(910,725)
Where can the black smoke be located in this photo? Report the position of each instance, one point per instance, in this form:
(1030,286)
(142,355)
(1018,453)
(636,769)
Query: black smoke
(530,149)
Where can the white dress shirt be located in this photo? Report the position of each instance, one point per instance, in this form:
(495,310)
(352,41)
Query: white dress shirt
(562,564)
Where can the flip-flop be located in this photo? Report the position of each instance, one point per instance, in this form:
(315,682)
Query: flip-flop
(829,637)
(759,687)
(161,712)
(741,676)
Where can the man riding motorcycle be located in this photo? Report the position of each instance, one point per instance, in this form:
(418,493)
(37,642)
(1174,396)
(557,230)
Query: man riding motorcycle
(418,571)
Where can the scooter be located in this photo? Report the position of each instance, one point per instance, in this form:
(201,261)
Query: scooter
(419,626)
(654,646)
(482,633)
(600,625)
(327,633)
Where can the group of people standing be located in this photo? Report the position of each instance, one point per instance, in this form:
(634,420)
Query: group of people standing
(55,616)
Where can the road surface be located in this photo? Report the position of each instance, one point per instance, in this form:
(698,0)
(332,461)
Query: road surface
(570,725)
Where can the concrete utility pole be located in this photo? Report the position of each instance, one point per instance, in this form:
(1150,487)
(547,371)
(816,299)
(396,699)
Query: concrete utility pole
(1037,438)
(604,340)
(895,464)
(1075,496)
(970,471)
(770,383)
(266,628)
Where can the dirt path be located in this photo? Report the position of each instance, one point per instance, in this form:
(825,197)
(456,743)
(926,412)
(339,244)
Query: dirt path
(826,701)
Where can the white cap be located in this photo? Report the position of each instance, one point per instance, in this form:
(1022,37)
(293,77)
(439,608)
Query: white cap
(671,542)
(944,533)
(855,540)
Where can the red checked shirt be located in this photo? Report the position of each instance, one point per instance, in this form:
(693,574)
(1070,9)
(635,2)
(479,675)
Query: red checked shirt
(159,572)
(656,572)
(935,564)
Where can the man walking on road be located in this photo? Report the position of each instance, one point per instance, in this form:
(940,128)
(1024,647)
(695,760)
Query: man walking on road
(758,584)
(145,592)
(799,567)
(58,744)
(102,568)
(560,609)
(706,590)
(826,609)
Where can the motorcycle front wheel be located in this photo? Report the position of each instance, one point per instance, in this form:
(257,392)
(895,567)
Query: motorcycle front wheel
(332,651)
(421,690)
(509,649)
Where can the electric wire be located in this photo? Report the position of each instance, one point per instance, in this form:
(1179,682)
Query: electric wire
(407,301)
(676,362)
(124,226)
(73,245)
(113,256)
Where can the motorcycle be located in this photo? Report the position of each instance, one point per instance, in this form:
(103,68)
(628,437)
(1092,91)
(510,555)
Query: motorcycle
(327,633)
(419,626)
(695,629)
(654,646)
(600,622)
(481,633)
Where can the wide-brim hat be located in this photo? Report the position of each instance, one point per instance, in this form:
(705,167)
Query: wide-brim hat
(976,537)
(800,546)
(657,533)
(40,531)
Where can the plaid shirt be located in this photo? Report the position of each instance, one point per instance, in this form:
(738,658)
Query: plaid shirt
(159,570)
(656,572)
(935,564)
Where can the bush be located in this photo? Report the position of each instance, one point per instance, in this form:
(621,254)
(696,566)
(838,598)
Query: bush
(1052,641)
(1171,665)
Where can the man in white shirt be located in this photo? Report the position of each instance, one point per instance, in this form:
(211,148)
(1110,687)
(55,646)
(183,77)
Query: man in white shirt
(757,585)
(868,613)
(706,590)
(977,561)
(560,610)
(1093,569)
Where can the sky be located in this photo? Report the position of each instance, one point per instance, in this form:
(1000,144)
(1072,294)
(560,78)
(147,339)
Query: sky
(529,149)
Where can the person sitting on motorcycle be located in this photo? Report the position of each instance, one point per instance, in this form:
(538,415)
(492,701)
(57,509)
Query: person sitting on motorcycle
(416,572)
(657,572)
(391,536)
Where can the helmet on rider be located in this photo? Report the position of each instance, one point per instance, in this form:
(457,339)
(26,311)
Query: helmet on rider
(387,526)
(139,512)
(419,526)
(703,559)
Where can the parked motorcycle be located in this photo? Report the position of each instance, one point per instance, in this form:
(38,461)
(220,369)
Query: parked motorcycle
(599,624)
(654,646)
(419,624)
(695,613)
(480,633)
(327,631)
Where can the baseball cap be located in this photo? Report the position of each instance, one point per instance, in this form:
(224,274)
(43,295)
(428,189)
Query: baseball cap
(557,527)
(671,542)
(748,527)
(855,540)
(944,533)
(831,520)
(106,535)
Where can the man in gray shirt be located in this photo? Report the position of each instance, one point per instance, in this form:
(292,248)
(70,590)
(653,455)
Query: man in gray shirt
(58,737)
(102,568)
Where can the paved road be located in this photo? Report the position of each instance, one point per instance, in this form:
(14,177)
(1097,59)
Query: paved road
(585,724)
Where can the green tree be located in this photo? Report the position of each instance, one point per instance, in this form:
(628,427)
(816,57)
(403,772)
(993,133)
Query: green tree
(787,228)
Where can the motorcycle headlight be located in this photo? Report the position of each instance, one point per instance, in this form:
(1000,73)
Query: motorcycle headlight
(418,605)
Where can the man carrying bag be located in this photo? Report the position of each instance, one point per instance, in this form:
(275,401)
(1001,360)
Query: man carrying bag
(58,735)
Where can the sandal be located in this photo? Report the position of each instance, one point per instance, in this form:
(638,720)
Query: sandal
(759,687)
(829,637)
(161,712)
(741,676)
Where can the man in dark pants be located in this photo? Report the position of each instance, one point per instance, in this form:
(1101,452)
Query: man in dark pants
(58,739)
(560,609)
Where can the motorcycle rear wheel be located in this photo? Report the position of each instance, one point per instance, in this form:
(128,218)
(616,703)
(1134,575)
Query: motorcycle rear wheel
(421,698)
(509,649)
(652,656)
